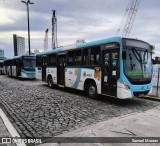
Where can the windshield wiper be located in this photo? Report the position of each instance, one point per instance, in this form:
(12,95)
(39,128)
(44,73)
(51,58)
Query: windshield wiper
(144,57)
(137,55)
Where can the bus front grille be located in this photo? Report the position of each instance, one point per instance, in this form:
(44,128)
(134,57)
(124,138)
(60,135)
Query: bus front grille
(141,93)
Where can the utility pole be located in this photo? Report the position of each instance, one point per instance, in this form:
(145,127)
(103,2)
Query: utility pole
(54,30)
(27,4)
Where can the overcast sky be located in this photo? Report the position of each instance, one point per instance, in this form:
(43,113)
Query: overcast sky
(77,19)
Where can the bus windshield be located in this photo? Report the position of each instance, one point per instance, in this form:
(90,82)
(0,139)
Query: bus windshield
(138,64)
(29,64)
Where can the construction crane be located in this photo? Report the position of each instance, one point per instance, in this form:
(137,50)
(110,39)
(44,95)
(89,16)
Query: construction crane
(46,40)
(54,30)
(128,18)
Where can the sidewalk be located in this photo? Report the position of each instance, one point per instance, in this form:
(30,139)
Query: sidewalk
(154,91)
(145,124)
(4,133)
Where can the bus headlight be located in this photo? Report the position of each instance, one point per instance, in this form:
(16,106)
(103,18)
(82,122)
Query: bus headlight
(126,86)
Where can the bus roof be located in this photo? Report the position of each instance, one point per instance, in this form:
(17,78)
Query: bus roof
(18,57)
(83,45)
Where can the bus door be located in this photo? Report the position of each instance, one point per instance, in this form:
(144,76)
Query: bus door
(19,64)
(44,64)
(109,72)
(61,63)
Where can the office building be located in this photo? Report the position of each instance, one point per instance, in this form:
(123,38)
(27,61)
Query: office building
(19,45)
(1,53)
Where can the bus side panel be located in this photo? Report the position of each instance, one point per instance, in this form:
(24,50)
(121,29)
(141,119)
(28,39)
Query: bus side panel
(5,70)
(53,72)
(1,70)
(72,78)
(39,73)
(14,71)
(76,77)
(9,70)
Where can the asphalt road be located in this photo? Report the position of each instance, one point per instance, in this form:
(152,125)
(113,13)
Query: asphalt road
(35,110)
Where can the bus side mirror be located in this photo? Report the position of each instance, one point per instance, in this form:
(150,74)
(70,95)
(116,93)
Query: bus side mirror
(124,55)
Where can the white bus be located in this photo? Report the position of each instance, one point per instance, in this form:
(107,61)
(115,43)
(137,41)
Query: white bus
(20,66)
(116,67)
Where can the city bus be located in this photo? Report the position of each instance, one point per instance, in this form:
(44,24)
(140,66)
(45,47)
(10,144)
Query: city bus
(20,66)
(1,67)
(116,67)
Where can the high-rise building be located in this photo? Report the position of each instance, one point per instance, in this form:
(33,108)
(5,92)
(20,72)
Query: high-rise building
(1,53)
(19,45)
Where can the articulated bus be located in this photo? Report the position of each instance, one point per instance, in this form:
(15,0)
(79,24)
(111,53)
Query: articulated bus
(20,66)
(1,67)
(116,67)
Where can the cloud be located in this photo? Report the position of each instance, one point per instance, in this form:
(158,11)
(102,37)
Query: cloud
(77,19)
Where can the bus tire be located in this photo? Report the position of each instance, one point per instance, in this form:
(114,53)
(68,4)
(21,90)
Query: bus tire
(92,90)
(50,82)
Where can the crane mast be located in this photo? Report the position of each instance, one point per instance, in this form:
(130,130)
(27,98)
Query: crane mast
(129,17)
(54,30)
(46,40)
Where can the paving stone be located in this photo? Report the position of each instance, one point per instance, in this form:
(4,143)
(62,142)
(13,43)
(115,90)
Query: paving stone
(36,110)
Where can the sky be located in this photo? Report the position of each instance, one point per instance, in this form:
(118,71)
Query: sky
(89,20)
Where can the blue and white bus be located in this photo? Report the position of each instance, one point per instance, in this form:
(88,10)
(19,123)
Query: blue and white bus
(21,66)
(116,67)
(1,67)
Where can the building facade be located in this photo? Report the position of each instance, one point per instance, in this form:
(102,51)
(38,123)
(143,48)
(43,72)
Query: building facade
(19,45)
(1,53)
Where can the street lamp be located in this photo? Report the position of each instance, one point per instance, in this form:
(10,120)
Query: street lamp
(27,2)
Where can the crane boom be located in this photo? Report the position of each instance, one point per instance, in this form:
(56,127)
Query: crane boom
(129,17)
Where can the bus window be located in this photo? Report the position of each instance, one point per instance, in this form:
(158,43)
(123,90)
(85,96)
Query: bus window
(39,60)
(52,60)
(13,62)
(114,63)
(78,57)
(95,56)
(106,66)
(71,61)
(86,57)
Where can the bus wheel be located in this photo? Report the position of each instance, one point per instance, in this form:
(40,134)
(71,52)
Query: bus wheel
(92,90)
(50,82)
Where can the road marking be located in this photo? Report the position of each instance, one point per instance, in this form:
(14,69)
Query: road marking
(13,132)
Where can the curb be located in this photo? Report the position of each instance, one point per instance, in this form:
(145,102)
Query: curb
(10,127)
(154,98)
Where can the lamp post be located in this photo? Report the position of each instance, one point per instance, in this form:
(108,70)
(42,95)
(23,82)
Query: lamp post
(27,2)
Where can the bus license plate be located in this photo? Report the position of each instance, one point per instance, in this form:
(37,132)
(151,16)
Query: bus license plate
(141,95)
